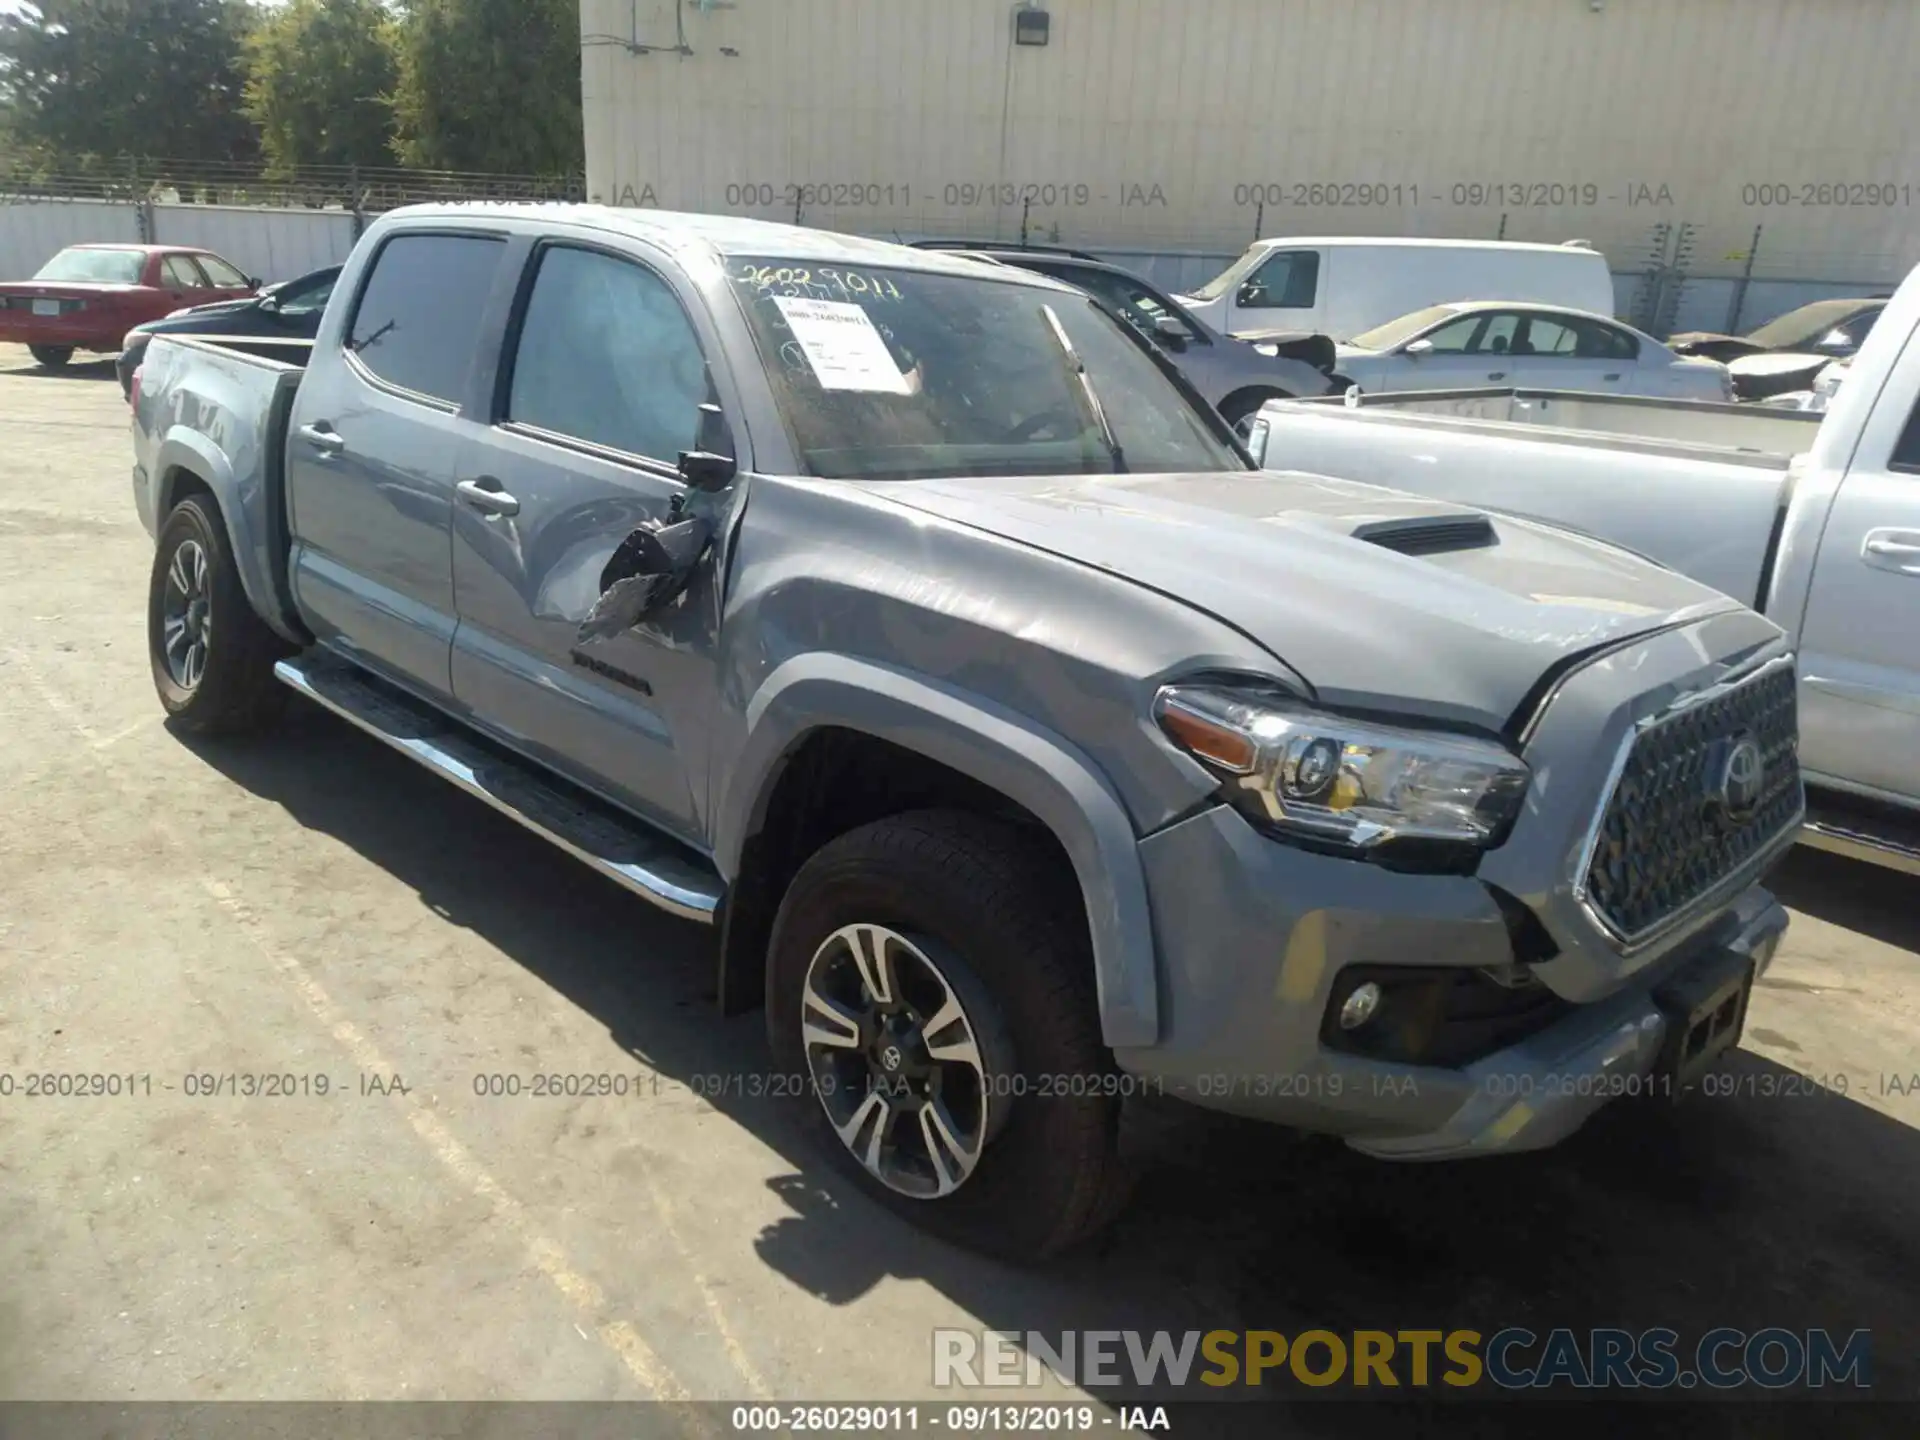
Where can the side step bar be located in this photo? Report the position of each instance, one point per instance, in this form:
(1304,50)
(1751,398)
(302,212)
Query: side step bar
(625,850)
(1862,833)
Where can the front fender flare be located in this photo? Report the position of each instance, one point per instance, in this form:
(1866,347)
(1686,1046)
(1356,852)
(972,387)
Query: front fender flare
(1006,751)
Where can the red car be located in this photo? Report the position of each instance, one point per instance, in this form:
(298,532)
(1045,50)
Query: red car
(89,296)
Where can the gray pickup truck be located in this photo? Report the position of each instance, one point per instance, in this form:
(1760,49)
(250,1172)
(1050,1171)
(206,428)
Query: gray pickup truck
(910,621)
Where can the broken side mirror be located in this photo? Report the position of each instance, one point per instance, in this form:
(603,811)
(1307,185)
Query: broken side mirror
(650,568)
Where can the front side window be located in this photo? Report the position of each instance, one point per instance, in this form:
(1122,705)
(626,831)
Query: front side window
(1460,337)
(100,267)
(419,316)
(1287,281)
(222,274)
(892,374)
(177,272)
(607,355)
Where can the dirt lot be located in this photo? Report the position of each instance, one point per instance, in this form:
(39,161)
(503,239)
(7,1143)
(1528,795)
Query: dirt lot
(311,905)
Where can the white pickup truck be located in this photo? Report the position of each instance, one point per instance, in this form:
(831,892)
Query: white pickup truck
(1812,518)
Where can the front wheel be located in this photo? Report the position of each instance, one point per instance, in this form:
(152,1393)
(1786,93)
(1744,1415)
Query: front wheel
(51,357)
(212,656)
(930,984)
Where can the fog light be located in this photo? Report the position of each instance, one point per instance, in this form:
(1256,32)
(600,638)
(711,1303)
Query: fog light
(1358,1007)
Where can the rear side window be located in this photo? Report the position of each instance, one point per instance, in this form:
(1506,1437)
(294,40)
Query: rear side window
(607,355)
(419,315)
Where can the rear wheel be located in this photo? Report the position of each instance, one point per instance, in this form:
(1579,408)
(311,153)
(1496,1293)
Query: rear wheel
(212,656)
(51,357)
(932,990)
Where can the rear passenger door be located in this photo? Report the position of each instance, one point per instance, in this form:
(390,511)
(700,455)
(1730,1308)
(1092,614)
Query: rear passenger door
(376,423)
(598,394)
(1564,352)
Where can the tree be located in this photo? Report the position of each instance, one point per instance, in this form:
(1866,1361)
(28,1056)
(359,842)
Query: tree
(135,77)
(320,82)
(490,85)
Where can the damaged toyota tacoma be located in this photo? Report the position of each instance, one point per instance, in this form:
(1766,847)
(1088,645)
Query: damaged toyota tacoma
(912,623)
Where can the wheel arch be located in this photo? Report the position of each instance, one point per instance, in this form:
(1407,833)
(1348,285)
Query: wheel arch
(188,463)
(979,756)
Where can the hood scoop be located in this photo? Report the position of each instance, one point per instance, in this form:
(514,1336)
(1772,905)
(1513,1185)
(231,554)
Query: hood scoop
(1429,534)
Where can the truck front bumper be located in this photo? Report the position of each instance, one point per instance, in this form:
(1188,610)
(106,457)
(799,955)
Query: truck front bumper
(1254,935)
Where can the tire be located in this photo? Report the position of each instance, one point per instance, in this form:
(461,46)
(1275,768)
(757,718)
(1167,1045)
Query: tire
(233,688)
(973,897)
(51,357)
(1239,409)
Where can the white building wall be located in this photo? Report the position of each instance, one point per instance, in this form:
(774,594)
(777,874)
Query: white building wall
(1169,125)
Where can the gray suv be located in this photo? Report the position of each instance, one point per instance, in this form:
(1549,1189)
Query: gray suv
(1029,753)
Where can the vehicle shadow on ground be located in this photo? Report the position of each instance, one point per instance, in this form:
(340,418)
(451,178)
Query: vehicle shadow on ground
(1855,896)
(79,368)
(1752,1210)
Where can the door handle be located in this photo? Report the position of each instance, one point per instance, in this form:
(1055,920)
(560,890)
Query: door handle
(1614,376)
(485,494)
(1497,375)
(323,438)
(1892,550)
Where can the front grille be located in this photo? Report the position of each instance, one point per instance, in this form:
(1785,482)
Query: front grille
(1668,837)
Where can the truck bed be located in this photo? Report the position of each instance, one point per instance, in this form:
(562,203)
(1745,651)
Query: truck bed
(1698,486)
(218,408)
(1745,433)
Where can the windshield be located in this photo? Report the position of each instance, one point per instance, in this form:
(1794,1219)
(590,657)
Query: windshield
(1398,332)
(110,267)
(890,374)
(1805,325)
(1228,278)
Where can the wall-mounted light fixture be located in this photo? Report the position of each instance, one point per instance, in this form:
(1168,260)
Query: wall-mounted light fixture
(1031,25)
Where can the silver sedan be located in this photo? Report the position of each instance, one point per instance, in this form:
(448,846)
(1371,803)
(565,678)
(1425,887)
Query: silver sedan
(1472,344)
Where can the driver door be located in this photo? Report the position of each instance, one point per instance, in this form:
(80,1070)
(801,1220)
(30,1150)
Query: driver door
(603,373)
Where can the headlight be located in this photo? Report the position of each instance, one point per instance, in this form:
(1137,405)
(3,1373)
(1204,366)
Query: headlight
(1351,784)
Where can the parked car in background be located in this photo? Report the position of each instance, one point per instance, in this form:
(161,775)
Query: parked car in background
(1830,328)
(1236,377)
(900,616)
(290,311)
(1819,394)
(1341,286)
(1813,519)
(1545,347)
(89,296)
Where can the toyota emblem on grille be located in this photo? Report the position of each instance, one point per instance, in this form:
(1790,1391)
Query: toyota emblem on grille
(1736,778)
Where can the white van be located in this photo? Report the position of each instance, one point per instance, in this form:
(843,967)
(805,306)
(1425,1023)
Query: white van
(1341,287)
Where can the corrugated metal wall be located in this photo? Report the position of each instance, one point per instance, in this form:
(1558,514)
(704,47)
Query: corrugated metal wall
(1171,125)
(272,244)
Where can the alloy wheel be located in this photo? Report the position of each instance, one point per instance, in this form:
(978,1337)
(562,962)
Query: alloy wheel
(896,1060)
(186,615)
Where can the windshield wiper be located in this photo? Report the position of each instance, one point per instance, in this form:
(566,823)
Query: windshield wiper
(1107,437)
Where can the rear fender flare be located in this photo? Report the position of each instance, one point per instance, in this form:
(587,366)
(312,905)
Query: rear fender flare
(184,453)
(1007,752)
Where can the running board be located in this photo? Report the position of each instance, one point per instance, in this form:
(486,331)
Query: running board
(626,851)
(1862,833)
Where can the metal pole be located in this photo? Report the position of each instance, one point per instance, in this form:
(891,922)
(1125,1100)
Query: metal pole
(1739,302)
(1503,226)
(1260,219)
(1026,210)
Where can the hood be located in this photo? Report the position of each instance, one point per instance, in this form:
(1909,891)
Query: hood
(192,318)
(1777,362)
(1427,621)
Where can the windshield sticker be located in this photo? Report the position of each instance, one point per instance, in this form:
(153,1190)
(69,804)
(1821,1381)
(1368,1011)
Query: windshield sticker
(841,344)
